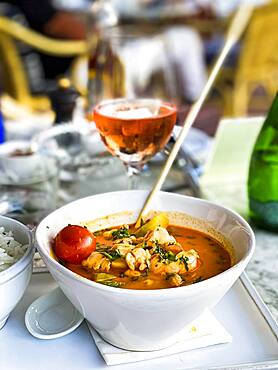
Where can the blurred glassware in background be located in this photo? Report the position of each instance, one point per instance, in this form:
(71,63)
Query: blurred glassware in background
(123,64)
(146,61)
(102,14)
(133,64)
(153,9)
(79,153)
(87,168)
(140,62)
(28,183)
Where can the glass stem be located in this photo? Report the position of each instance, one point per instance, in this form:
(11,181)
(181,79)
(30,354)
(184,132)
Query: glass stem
(133,176)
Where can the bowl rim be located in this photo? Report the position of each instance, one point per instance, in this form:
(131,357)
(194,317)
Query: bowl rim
(147,292)
(15,269)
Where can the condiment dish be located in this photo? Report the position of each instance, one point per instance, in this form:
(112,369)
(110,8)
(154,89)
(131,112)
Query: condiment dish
(52,316)
(18,161)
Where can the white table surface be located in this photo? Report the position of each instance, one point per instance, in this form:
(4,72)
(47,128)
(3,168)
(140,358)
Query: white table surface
(253,340)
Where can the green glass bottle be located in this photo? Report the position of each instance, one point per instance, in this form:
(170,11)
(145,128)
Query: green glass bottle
(263,173)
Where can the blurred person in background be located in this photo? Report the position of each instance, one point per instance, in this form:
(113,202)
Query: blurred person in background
(222,9)
(42,16)
(185,49)
(185,45)
(45,17)
(184,52)
(225,8)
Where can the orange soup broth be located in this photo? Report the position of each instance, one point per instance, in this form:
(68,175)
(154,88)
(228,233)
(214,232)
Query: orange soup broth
(214,259)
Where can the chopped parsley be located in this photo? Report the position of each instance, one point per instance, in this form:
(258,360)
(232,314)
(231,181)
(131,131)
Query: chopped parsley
(115,284)
(159,250)
(107,279)
(111,254)
(165,256)
(120,233)
(185,261)
(144,245)
(170,256)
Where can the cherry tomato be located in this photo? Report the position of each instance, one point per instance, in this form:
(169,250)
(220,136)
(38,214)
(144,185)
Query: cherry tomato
(74,243)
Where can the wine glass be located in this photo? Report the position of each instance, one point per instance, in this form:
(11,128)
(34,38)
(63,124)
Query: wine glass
(133,93)
(134,130)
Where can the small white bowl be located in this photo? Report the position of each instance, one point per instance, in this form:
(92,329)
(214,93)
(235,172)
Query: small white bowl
(52,316)
(144,319)
(14,280)
(19,167)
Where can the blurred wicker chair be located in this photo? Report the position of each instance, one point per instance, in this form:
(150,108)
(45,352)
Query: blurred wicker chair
(258,61)
(14,75)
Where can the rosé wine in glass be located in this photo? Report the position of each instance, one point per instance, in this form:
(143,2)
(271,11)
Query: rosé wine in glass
(135,129)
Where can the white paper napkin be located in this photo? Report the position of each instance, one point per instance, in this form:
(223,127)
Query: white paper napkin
(203,332)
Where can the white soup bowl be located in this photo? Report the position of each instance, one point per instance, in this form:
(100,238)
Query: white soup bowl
(144,319)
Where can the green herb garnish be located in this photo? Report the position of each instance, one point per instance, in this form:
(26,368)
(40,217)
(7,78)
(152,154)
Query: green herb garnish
(102,276)
(115,284)
(159,250)
(111,254)
(120,233)
(185,261)
(166,256)
(170,256)
(107,279)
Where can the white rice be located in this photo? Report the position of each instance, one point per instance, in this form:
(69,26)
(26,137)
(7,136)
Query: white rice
(10,250)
